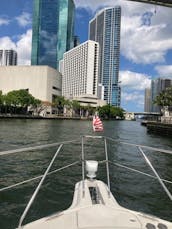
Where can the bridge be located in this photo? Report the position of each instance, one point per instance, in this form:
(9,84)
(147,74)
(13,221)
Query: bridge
(148,115)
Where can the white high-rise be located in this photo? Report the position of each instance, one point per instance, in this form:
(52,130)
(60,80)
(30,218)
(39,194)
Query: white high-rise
(8,57)
(105,29)
(80,70)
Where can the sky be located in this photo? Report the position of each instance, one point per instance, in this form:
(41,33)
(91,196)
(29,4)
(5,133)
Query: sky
(146,40)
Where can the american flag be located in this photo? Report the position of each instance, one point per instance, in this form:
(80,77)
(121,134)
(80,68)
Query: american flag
(97,124)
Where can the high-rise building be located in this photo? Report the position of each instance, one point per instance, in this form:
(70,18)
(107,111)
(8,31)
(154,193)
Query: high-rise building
(147,102)
(53,31)
(76,41)
(105,29)
(80,70)
(8,57)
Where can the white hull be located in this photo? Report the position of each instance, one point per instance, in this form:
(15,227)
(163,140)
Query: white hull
(97,211)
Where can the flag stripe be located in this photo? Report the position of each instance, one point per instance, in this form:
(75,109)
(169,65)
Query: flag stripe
(97,124)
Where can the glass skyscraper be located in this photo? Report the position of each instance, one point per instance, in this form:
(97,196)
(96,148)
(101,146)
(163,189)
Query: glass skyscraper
(105,29)
(53,31)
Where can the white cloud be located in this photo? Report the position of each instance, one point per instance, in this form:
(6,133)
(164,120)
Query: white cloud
(133,96)
(4,21)
(164,70)
(134,99)
(7,43)
(145,44)
(134,81)
(133,85)
(89,4)
(24,19)
(93,6)
(22,46)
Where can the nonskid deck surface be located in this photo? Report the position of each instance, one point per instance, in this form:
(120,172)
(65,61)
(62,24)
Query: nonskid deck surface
(96,208)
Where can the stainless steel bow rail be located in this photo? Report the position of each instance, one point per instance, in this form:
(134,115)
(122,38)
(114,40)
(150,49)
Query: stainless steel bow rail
(82,161)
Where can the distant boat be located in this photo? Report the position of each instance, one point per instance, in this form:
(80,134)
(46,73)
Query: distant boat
(97,123)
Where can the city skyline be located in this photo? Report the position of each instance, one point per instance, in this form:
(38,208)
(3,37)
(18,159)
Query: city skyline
(146,40)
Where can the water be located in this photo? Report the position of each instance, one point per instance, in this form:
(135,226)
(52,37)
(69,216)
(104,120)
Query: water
(131,190)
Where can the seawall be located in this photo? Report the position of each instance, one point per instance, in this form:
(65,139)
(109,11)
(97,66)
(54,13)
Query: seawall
(159,128)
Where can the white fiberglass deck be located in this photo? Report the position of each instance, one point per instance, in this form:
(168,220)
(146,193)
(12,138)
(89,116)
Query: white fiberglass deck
(93,204)
(101,212)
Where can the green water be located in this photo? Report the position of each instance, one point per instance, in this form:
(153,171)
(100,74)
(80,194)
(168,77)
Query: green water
(131,190)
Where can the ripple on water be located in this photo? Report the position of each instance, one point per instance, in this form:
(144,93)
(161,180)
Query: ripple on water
(130,189)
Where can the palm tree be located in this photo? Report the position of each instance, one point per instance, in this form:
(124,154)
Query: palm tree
(164,98)
(76,107)
(1,100)
(59,102)
(67,107)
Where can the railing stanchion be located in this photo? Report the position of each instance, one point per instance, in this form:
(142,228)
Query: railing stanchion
(107,167)
(38,188)
(83,168)
(156,174)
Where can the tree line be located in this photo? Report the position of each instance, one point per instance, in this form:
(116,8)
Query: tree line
(18,102)
(105,112)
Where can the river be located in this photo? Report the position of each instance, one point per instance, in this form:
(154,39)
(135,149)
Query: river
(131,190)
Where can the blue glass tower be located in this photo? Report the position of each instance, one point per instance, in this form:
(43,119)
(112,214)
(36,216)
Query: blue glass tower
(105,29)
(53,31)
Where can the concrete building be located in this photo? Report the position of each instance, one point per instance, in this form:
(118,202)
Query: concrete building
(80,70)
(8,57)
(53,31)
(147,100)
(90,100)
(43,82)
(105,29)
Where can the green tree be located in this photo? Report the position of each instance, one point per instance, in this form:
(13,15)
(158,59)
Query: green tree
(164,98)
(104,111)
(59,102)
(1,100)
(19,100)
(90,110)
(76,107)
(109,112)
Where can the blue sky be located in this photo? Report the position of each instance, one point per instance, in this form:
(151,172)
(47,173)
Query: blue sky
(146,40)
